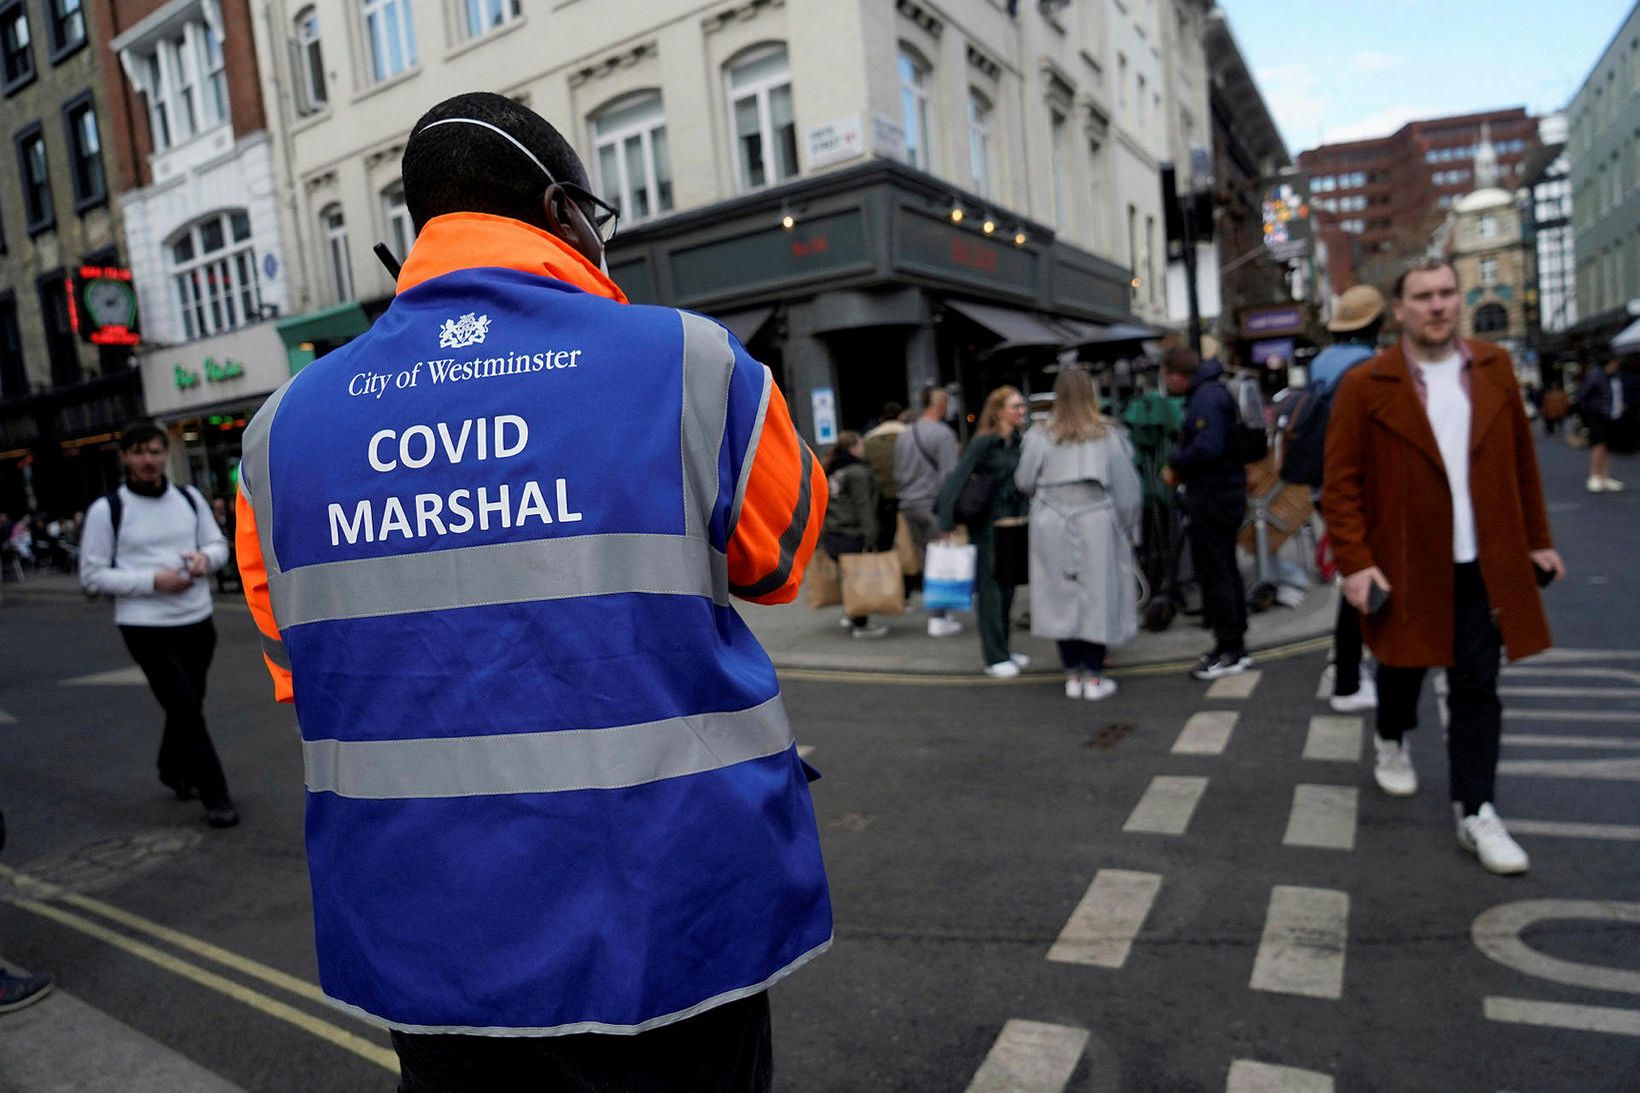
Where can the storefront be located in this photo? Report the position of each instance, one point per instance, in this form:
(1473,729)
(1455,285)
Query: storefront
(861,286)
(1275,342)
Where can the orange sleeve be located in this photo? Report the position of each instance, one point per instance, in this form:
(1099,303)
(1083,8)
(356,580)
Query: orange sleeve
(253,577)
(781,513)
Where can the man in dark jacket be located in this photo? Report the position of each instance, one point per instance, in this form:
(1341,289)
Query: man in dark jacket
(1600,403)
(1215,499)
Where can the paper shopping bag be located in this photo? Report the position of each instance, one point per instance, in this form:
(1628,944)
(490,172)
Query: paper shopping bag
(824,584)
(905,548)
(872,585)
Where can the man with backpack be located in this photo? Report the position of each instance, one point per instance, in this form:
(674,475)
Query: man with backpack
(148,544)
(1357,317)
(1210,463)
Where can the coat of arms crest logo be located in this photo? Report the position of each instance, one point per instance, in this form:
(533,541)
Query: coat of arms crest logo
(470,329)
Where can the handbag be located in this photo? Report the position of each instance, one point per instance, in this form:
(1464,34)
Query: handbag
(1011,551)
(974,500)
(905,548)
(872,584)
(948,576)
(825,586)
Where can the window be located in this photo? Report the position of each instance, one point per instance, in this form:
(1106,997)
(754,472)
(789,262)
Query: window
(979,143)
(1142,86)
(186,85)
(16,48)
(1491,319)
(1133,240)
(213,270)
(392,36)
(13,375)
(634,161)
(84,152)
(1121,80)
(760,109)
(914,81)
(1487,227)
(31,160)
(67,19)
(483,16)
(1061,203)
(401,232)
(341,271)
(309,64)
(1489,271)
(1154,286)
(60,341)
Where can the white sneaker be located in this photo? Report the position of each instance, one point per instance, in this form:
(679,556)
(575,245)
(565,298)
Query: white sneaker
(870,630)
(1020,659)
(845,622)
(1393,768)
(943,628)
(1364,698)
(1095,689)
(1006,669)
(1611,485)
(1483,835)
(1595,484)
(1073,686)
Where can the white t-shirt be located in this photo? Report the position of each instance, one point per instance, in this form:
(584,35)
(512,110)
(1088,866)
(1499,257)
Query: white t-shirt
(1449,416)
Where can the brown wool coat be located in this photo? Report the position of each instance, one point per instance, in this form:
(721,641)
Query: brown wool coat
(1387,503)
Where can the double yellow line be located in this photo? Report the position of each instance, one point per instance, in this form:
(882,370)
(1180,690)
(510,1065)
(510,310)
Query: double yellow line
(42,891)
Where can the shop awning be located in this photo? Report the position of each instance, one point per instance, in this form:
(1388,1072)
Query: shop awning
(1017,329)
(745,325)
(1116,332)
(1628,340)
(329,325)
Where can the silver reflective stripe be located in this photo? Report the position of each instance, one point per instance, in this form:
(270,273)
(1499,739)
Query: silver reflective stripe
(708,363)
(274,650)
(254,479)
(545,762)
(537,569)
(790,539)
(751,451)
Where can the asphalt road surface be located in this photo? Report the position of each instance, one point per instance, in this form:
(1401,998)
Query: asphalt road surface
(1179,888)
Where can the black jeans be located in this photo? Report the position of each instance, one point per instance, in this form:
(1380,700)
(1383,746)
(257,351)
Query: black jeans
(1084,656)
(724,1050)
(1215,518)
(176,660)
(837,544)
(1474,713)
(1347,649)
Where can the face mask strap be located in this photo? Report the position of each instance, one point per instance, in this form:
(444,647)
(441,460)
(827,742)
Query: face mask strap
(508,137)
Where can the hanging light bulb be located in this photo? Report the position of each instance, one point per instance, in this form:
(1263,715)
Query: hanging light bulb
(787,220)
(990,226)
(1019,237)
(956,212)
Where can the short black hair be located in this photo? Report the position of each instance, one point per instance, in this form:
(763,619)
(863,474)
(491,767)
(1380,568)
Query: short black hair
(467,168)
(140,432)
(892,410)
(1182,359)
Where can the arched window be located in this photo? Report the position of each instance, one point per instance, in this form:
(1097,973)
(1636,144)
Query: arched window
(1491,319)
(760,116)
(213,274)
(401,232)
(633,162)
(916,82)
(979,143)
(309,63)
(334,228)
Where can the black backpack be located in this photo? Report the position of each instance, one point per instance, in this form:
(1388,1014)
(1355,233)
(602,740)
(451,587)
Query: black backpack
(1305,455)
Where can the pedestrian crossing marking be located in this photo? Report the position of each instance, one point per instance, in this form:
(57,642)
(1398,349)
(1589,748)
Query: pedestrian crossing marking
(1625,675)
(1236,686)
(1102,928)
(1030,1057)
(1497,932)
(1302,948)
(1206,733)
(1527,1011)
(1167,805)
(1247,1076)
(1323,817)
(1553,828)
(1549,740)
(1599,770)
(119,677)
(1334,739)
(1623,717)
(1324,688)
(1602,693)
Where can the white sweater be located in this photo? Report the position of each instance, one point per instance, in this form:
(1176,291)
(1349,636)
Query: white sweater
(1449,418)
(155,532)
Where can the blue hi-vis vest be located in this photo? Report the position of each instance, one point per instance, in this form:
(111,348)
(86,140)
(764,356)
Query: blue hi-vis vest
(551,785)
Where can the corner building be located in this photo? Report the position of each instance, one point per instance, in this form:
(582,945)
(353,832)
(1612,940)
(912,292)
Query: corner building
(872,195)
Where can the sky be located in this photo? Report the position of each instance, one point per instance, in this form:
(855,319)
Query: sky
(1339,70)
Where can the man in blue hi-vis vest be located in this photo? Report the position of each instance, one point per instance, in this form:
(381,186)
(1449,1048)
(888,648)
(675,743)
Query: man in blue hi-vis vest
(558,831)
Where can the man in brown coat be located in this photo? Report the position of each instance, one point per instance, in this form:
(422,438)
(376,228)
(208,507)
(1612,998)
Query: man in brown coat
(1436,513)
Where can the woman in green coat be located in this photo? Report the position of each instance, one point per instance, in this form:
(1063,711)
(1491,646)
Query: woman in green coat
(851,513)
(992,454)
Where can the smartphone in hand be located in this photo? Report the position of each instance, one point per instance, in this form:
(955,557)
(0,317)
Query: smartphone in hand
(1545,575)
(1376,598)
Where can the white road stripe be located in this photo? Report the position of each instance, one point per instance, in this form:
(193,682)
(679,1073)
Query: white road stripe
(1302,950)
(1102,928)
(1323,817)
(1588,654)
(1324,687)
(1599,770)
(119,677)
(1236,686)
(1206,733)
(1606,694)
(1549,740)
(1167,805)
(1334,739)
(1615,832)
(1624,675)
(1030,1057)
(1532,714)
(1527,1011)
(1246,1076)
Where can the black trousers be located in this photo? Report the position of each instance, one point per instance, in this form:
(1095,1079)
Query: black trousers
(724,1050)
(1346,649)
(837,544)
(1215,518)
(1474,713)
(176,660)
(1082,656)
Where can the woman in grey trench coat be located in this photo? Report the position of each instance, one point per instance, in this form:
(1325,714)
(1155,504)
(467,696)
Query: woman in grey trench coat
(1085,502)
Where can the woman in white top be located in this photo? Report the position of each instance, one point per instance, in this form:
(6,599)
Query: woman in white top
(1085,504)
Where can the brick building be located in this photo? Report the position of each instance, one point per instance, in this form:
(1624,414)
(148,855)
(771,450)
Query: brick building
(1377,202)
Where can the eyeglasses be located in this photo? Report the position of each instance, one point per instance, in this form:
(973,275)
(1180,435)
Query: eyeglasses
(605,218)
(1014,405)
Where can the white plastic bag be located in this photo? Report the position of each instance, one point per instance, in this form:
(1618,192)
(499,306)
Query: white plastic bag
(948,577)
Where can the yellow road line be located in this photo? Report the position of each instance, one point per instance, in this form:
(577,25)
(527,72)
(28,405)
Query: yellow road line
(324,1030)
